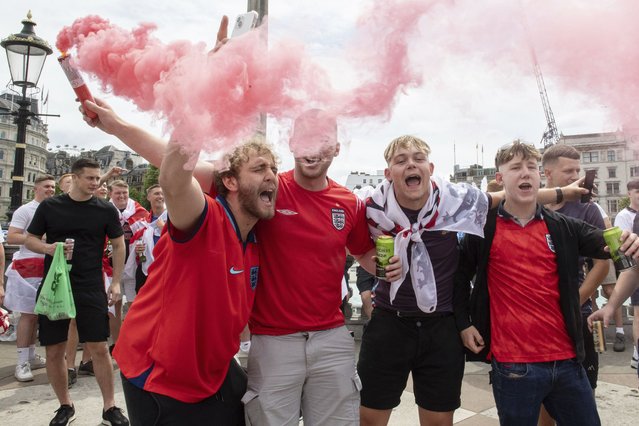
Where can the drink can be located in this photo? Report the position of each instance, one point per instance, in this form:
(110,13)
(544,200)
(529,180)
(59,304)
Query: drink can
(612,236)
(69,254)
(598,336)
(141,256)
(385,248)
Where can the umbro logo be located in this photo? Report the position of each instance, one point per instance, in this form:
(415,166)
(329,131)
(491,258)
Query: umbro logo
(234,271)
(287,212)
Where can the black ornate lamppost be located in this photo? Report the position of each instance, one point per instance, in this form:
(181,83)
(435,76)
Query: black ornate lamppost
(26,54)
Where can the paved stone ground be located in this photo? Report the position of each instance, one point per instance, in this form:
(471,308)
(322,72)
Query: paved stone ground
(27,404)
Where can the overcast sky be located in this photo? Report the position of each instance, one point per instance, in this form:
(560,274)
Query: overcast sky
(464,102)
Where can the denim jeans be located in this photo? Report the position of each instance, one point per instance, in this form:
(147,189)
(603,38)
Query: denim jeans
(562,386)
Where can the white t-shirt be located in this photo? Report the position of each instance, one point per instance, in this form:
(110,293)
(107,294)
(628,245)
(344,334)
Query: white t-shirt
(625,219)
(22,219)
(602,211)
(1,235)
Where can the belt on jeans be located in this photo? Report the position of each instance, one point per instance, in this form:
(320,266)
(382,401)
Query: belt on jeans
(420,315)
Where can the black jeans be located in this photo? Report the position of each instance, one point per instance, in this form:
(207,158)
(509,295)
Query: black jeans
(224,408)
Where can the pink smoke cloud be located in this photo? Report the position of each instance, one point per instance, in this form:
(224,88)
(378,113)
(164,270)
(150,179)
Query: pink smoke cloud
(211,101)
(581,47)
(592,50)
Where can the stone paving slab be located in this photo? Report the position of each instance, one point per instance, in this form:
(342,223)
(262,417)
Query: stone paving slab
(33,403)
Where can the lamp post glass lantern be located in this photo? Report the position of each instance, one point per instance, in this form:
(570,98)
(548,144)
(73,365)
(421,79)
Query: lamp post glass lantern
(26,53)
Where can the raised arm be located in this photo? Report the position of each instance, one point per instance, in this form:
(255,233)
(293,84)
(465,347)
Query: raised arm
(149,146)
(570,192)
(113,172)
(182,193)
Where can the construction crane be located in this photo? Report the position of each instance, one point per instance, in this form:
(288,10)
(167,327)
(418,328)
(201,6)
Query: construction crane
(551,135)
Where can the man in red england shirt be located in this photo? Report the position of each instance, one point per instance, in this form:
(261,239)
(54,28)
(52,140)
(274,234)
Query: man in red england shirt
(524,312)
(301,352)
(179,367)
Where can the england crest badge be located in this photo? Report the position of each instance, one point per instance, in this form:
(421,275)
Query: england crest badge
(254,275)
(339,218)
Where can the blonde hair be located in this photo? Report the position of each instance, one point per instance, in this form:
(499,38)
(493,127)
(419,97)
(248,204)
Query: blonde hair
(405,141)
(235,159)
(119,183)
(66,175)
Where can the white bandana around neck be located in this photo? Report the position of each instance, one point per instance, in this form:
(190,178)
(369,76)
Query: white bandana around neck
(127,212)
(450,207)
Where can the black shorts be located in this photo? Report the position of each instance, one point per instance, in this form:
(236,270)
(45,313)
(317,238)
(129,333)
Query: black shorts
(591,360)
(91,318)
(429,348)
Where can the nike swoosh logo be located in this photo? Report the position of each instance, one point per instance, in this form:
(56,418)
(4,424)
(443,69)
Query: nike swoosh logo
(235,271)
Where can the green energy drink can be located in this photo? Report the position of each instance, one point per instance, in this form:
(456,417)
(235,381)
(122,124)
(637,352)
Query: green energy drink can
(598,336)
(613,241)
(385,247)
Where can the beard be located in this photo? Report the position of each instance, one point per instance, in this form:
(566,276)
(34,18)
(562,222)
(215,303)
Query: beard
(249,199)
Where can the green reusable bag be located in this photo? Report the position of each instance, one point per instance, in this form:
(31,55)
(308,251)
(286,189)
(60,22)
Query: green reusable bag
(55,299)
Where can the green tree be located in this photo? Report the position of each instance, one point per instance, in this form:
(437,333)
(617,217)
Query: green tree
(138,196)
(151,176)
(623,203)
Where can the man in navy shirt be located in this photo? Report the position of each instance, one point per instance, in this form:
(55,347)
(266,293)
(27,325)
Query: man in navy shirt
(561,166)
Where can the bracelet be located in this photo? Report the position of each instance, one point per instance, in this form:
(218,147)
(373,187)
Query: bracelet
(560,195)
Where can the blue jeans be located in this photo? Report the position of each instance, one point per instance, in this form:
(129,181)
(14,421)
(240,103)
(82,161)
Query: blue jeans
(562,386)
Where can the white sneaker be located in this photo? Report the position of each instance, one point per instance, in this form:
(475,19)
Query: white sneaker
(23,372)
(38,362)
(9,335)
(633,362)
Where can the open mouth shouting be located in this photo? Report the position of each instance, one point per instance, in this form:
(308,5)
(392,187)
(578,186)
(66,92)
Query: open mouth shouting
(267,196)
(526,186)
(413,181)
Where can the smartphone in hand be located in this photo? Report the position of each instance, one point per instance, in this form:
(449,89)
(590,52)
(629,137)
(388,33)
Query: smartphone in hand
(588,184)
(245,23)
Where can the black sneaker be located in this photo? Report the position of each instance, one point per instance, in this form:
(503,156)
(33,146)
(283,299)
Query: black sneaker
(620,342)
(63,416)
(72,377)
(86,368)
(114,417)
